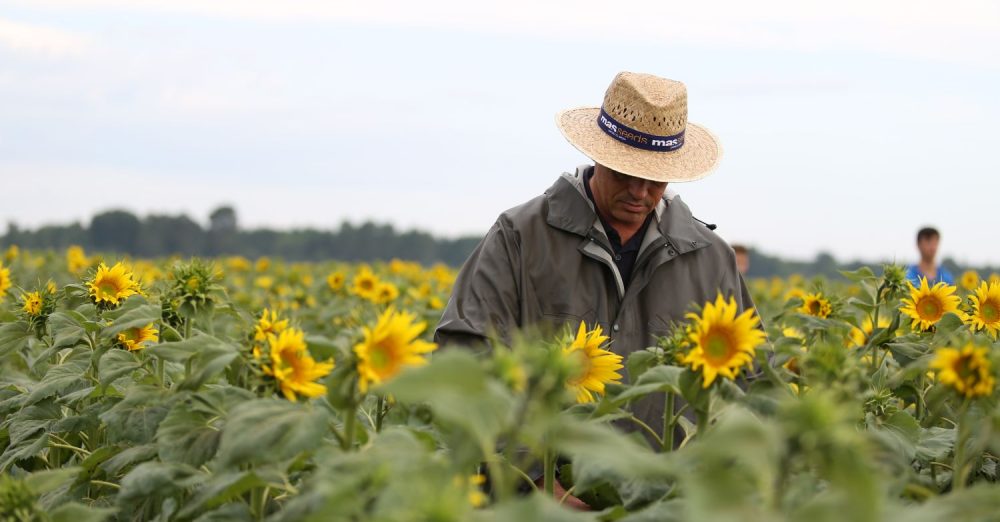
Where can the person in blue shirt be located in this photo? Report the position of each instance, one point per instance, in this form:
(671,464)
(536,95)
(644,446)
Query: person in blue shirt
(927,243)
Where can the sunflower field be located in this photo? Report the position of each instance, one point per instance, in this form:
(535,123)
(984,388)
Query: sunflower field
(236,389)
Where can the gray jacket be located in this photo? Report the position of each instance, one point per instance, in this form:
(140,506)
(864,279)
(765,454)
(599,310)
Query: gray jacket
(549,262)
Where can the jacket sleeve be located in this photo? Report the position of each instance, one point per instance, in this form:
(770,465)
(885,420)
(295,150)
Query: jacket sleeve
(485,300)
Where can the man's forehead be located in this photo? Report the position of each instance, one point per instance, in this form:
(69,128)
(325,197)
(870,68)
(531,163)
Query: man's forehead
(626,177)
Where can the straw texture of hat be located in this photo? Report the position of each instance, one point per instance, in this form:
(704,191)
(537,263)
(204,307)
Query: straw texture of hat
(655,107)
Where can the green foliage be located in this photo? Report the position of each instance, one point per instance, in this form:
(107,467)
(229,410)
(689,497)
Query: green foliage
(837,420)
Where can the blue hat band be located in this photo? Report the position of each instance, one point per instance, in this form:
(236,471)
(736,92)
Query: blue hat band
(636,138)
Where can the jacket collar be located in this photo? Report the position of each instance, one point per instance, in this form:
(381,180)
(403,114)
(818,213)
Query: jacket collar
(571,210)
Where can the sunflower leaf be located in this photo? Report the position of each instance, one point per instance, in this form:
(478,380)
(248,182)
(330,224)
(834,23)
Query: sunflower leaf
(281,430)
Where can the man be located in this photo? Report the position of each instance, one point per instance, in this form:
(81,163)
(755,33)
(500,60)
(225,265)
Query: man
(742,258)
(927,244)
(606,244)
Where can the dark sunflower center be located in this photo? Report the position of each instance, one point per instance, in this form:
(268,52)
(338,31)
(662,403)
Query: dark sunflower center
(718,346)
(965,368)
(380,356)
(108,287)
(814,307)
(990,311)
(930,308)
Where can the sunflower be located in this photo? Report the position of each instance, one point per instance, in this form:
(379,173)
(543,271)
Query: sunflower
(927,305)
(792,364)
(336,281)
(985,309)
(389,346)
(365,283)
(597,366)
(721,341)
(967,370)
(474,483)
(385,293)
(859,336)
(969,280)
(32,303)
(264,281)
(76,259)
(293,368)
(4,280)
(792,293)
(815,305)
(132,339)
(112,285)
(268,324)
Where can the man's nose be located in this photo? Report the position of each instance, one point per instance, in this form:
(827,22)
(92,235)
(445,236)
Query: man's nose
(637,188)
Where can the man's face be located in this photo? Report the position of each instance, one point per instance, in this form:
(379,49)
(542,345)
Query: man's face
(622,198)
(928,247)
(742,261)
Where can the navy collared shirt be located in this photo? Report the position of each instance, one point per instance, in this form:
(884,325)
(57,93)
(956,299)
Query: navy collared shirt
(624,255)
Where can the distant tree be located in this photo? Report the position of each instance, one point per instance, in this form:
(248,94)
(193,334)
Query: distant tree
(222,230)
(115,230)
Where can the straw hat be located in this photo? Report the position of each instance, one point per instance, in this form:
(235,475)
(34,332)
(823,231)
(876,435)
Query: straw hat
(642,130)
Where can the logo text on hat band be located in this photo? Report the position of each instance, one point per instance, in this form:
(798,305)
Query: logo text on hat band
(637,138)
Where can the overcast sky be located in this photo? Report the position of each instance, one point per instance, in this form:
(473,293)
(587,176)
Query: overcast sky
(845,125)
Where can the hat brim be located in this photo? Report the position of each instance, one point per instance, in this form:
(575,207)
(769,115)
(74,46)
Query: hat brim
(695,160)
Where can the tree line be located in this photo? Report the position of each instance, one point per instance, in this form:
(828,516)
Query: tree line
(155,235)
(123,232)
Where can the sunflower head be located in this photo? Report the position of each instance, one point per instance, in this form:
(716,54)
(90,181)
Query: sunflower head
(926,305)
(722,341)
(594,367)
(4,280)
(268,324)
(336,281)
(816,305)
(390,345)
(295,371)
(111,286)
(966,369)
(133,339)
(32,303)
(859,336)
(365,284)
(985,304)
(384,293)
(76,259)
(969,280)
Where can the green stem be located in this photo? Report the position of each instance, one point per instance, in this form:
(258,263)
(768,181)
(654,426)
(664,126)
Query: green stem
(161,371)
(549,477)
(960,473)
(919,406)
(379,413)
(349,422)
(667,441)
(83,453)
(703,417)
(187,328)
(645,427)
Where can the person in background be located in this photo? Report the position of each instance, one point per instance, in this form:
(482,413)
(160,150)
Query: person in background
(742,258)
(927,243)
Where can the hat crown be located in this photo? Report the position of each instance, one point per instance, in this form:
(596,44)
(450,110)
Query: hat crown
(647,103)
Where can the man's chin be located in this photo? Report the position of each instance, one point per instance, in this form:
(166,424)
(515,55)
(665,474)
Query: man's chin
(632,218)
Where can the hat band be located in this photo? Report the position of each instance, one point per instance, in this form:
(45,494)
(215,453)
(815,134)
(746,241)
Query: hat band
(636,138)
